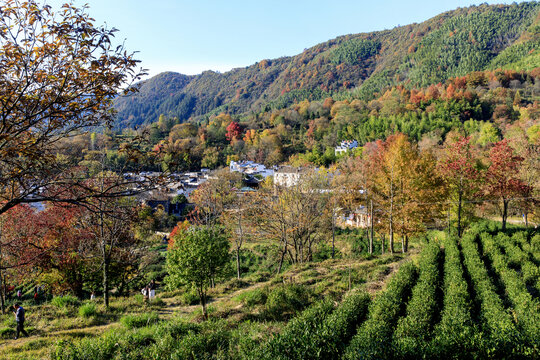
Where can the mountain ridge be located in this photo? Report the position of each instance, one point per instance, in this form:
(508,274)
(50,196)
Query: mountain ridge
(450,44)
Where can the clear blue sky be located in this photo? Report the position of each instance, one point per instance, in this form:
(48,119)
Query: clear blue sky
(190,36)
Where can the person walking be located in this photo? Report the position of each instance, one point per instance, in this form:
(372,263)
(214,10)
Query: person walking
(19,318)
(152,288)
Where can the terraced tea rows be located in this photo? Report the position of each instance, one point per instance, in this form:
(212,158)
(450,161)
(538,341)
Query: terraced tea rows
(473,298)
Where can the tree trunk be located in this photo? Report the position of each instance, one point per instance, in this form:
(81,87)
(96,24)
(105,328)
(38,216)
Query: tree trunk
(371,225)
(391,240)
(106,282)
(202,296)
(382,244)
(406,243)
(238,263)
(391,220)
(460,198)
(2,294)
(403,249)
(504,214)
(283,253)
(333,231)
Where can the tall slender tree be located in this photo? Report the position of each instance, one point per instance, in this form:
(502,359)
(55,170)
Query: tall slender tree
(502,177)
(459,167)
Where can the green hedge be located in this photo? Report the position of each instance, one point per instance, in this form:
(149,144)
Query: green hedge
(503,337)
(455,334)
(374,337)
(413,330)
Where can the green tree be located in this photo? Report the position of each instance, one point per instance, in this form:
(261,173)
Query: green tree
(196,258)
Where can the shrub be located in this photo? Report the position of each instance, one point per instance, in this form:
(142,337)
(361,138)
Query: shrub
(287,299)
(139,298)
(340,327)
(212,342)
(254,297)
(525,306)
(157,301)
(63,301)
(140,320)
(102,348)
(7,333)
(88,310)
(190,297)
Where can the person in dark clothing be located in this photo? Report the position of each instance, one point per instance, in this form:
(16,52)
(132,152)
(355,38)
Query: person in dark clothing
(19,317)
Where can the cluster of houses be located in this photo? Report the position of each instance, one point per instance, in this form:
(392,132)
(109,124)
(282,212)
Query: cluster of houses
(253,173)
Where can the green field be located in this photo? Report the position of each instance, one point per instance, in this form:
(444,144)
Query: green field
(475,297)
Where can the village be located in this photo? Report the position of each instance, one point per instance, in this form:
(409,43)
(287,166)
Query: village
(181,186)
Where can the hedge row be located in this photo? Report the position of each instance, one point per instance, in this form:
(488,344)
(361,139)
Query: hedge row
(518,258)
(525,306)
(503,338)
(414,330)
(318,333)
(455,336)
(374,337)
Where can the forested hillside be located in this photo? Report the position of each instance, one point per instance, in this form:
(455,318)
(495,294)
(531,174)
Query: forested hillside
(452,44)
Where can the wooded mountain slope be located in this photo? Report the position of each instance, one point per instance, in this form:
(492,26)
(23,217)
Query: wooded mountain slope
(451,44)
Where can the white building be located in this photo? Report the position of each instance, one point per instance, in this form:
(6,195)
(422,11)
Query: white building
(287,176)
(250,168)
(345,146)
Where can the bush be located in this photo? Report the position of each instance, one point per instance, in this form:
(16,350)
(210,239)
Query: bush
(211,343)
(88,310)
(525,306)
(139,298)
(190,297)
(157,302)
(337,330)
(63,301)
(7,333)
(286,300)
(254,297)
(496,321)
(140,320)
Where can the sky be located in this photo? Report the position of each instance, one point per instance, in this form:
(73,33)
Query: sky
(190,36)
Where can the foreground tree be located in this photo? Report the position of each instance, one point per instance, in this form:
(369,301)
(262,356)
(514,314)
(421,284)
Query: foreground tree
(458,166)
(59,74)
(502,177)
(20,245)
(197,257)
(109,220)
(294,217)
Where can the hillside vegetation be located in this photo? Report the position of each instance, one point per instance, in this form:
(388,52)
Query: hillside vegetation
(449,45)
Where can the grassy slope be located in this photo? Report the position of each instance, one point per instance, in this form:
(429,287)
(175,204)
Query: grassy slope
(48,325)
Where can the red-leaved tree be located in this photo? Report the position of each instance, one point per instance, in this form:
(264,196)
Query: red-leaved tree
(502,177)
(458,166)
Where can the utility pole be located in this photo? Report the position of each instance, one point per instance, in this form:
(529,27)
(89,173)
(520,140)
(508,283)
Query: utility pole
(448,219)
(371,225)
(333,225)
